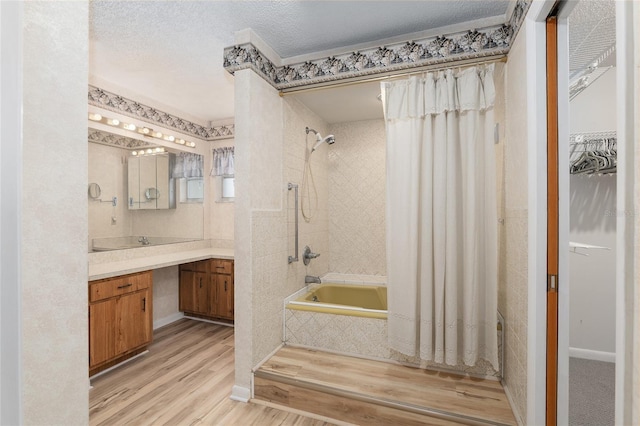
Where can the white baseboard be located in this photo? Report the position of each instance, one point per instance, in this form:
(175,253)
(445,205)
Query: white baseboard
(515,411)
(592,355)
(167,320)
(238,393)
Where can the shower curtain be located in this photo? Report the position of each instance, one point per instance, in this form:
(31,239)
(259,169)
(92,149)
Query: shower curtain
(442,216)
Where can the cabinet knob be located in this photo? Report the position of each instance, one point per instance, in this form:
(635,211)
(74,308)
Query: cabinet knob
(225,285)
(200,282)
(144,304)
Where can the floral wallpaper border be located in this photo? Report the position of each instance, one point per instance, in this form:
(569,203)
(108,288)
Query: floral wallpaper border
(113,102)
(104,138)
(485,42)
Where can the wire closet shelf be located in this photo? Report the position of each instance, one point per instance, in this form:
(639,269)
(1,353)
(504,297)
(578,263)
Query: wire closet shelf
(593,154)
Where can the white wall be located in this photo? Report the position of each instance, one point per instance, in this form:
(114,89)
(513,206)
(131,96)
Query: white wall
(165,296)
(53,248)
(593,221)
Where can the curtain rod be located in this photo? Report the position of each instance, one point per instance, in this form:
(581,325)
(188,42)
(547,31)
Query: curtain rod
(387,76)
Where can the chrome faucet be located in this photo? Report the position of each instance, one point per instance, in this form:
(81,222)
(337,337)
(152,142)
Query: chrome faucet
(307,255)
(144,241)
(311,279)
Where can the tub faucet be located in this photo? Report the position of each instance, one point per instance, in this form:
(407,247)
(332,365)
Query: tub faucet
(144,241)
(311,279)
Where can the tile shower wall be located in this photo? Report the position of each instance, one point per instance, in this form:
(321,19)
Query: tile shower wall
(270,151)
(273,277)
(357,198)
(512,300)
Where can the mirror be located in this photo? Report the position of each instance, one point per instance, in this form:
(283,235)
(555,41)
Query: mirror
(113,225)
(151,194)
(94,191)
(150,184)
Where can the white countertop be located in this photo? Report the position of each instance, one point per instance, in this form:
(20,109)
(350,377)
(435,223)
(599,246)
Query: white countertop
(130,266)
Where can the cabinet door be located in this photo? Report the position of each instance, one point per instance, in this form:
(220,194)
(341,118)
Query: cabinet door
(102,332)
(224,299)
(194,292)
(134,320)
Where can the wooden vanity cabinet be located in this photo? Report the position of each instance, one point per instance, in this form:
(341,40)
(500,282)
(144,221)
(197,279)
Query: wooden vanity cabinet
(120,319)
(206,289)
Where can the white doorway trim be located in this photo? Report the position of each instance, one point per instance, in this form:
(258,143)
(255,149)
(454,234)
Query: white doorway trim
(626,265)
(11,27)
(537,209)
(564,212)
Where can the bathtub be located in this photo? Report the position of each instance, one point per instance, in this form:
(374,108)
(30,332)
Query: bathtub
(344,299)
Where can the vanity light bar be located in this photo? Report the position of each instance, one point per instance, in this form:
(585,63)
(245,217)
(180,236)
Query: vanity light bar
(148,151)
(145,131)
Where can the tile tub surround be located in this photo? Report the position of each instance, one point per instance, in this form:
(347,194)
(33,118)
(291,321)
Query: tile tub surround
(357,198)
(366,337)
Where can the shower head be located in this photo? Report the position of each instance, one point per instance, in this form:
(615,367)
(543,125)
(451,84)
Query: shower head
(330,140)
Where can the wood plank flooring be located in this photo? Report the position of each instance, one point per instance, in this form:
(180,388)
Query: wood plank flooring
(292,372)
(185,379)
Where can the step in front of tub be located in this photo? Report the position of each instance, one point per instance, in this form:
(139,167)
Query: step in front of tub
(361,391)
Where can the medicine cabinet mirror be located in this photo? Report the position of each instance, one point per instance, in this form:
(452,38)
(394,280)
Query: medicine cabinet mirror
(151,186)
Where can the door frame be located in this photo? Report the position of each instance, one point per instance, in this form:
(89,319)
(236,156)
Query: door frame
(627,292)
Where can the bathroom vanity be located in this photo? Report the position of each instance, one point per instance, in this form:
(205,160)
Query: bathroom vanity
(121,295)
(120,318)
(206,289)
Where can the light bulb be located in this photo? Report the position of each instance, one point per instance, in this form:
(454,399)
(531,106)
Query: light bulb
(134,153)
(149,151)
(145,130)
(95,117)
(181,141)
(158,135)
(113,122)
(171,138)
(141,152)
(130,127)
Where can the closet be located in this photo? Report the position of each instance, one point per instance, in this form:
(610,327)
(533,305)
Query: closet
(592,222)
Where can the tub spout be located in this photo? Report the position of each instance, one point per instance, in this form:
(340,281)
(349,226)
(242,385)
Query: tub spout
(311,279)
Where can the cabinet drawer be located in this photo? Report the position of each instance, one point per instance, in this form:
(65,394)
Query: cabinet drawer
(200,266)
(110,287)
(220,266)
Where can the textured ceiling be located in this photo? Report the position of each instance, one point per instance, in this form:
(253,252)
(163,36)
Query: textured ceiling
(171,51)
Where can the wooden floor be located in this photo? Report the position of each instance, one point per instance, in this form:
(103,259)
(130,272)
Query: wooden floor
(187,376)
(312,380)
(185,379)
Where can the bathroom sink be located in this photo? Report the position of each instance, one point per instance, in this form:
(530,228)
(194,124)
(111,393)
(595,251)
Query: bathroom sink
(123,243)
